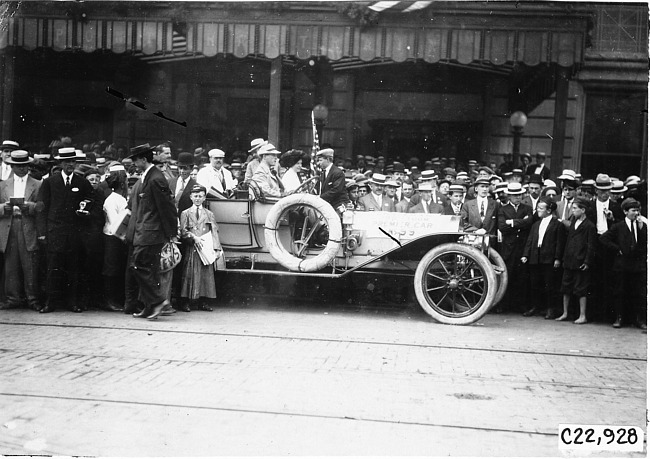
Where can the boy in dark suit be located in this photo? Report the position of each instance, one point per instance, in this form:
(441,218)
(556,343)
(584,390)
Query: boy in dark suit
(628,239)
(578,260)
(543,253)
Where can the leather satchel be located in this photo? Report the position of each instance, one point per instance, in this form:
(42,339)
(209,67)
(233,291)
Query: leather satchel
(170,257)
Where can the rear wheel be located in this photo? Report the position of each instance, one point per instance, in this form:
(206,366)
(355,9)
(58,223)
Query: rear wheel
(455,284)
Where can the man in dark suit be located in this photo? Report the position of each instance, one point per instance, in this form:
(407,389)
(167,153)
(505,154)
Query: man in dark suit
(539,168)
(514,222)
(604,213)
(578,260)
(628,239)
(59,226)
(426,205)
(543,253)
(153,222)
(182,185)
(480,215)
(18,233)
(534,191)
(332,181)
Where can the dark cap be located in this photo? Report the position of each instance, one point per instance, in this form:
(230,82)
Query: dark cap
(198,189)
(630,203)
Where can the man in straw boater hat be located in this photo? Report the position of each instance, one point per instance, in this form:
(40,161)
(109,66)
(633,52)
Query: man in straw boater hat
(18,233)
(7,147)
(514,222)
(64,195)
(153,222)
(254,162)
(376,200)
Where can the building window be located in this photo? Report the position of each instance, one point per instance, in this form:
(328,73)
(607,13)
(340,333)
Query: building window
(613,133)
(622,29)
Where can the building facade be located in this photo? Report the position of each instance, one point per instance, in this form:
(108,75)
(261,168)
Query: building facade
(441,80)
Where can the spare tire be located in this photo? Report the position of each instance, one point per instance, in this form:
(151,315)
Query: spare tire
(281,254)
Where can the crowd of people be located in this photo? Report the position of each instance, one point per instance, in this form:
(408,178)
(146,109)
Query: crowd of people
(74,219)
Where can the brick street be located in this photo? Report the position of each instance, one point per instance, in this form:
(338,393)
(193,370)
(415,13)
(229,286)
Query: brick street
(274,379)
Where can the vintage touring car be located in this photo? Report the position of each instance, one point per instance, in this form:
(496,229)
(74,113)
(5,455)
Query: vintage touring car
(457,277)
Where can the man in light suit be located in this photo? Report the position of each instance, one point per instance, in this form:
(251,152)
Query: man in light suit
(153,222)
(628,240)
(18,232)
(266,177)
(59,226)
(426,205)
(375,200)
(5,168)
(215,178)
(480,215)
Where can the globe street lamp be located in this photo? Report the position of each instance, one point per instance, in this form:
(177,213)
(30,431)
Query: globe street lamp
(518,122)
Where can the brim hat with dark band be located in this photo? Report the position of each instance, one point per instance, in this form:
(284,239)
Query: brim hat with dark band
(603,182)
(9,145)
(618,187)
(19,158)
(198,189)
(428,175)
(515,188)
(257,143)
(326,152)
(267,149)
(536,178)
(482,181)
(378,179)
(66,153)
(456,187)
(141,151)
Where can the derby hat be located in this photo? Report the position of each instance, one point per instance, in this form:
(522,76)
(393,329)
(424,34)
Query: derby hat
(378,179)
(257,143)
(66,153)
(603,182)
(515,188)
(536,178)
(141,151)
(19,157)
(9,145)
(618,187)
(185,159)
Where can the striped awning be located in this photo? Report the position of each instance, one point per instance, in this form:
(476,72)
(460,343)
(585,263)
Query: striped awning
(431,44)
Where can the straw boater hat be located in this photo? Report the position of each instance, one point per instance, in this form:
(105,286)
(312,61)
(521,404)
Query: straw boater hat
(144,150)
(618,187)
(482,181)
(392,183)
(456,187)
(428,175)
(515,188)
(256,144)
(567,174)
(19,158)
(426,186)
(603,182)
(66,153)
(9,145)
(378,179)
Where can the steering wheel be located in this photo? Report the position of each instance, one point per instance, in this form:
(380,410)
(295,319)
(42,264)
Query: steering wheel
(308,186)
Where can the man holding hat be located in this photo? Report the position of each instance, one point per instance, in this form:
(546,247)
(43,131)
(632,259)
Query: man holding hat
(215,178)
(628,240)
(539,168)
(18,232)
(376,200)
(569,185)
(332,181)
(514,222)
(266,176)
(153,222)
(60,226)
(7,147)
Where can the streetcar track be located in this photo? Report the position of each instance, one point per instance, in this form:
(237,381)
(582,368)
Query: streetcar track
(333,340)
(276,413)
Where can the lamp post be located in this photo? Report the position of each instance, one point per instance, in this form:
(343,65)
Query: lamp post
(320,113)
(518,122)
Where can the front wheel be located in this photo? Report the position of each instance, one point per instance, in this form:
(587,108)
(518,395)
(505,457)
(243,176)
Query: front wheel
(455,284)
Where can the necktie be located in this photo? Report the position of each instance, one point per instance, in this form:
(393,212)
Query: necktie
(67,182)
(482,209)
(180,192)
(221,179)
(197,214)
(634,232)
(565,214)
(274,173)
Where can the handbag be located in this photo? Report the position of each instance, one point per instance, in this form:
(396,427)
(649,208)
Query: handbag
(170,257)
